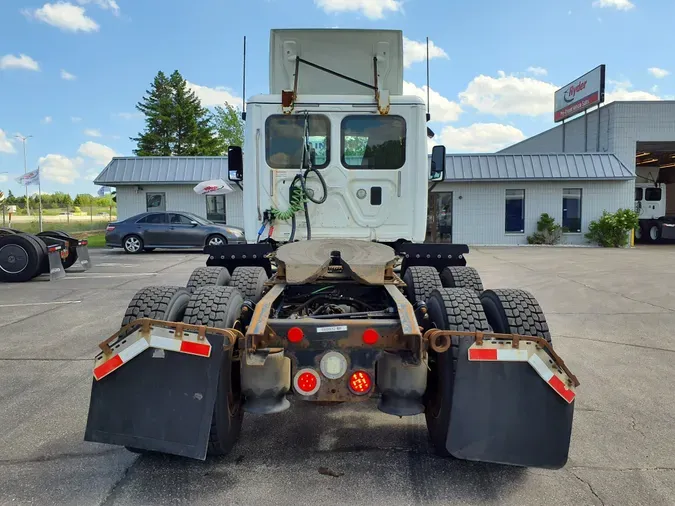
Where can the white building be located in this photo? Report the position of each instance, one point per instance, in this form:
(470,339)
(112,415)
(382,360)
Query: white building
(166,184)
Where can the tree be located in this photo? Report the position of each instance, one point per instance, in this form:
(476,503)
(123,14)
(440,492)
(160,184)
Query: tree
(229,125)
(176,124)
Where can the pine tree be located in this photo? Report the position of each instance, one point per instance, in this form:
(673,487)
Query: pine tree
(176,122)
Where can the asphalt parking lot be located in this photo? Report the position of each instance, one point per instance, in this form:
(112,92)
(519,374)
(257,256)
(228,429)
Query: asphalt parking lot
(611,312)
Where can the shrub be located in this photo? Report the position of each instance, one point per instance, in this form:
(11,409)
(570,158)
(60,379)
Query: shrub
(611,230)
(548,231)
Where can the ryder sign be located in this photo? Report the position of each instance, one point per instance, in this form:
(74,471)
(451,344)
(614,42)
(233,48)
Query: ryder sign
(579,95)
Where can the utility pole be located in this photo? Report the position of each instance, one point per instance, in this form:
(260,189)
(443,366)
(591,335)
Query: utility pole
(25,166)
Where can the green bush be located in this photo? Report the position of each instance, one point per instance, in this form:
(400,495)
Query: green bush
(611,230)
(548,231)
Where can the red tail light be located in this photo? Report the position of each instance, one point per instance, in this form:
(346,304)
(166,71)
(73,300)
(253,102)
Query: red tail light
(110,228)
(360,382)
(307,382)
(295,334)
(370,336)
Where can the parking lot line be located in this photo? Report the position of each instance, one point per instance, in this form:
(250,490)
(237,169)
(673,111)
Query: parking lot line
(22,304)
(98,276)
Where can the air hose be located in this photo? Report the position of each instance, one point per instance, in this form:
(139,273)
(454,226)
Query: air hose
(299,196)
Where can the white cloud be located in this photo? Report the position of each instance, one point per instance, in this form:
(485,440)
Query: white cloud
(415,51)
(129,115)
(373,9)
(5,143)
(442,109)
(509,94)
(537,71)
(63,15)
(60,168)
(67,75)
(622,5)
(92,132)
(75,119)
(211,97)
(658,73)
(9,61)
(46,120)
(480,137)
(99,153)
(3,178)
(103,4)
(622,91)
(655,88)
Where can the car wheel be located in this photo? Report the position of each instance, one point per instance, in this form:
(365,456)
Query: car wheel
(132,244)
(216,240)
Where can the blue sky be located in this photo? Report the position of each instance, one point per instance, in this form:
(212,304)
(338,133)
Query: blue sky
(71,71)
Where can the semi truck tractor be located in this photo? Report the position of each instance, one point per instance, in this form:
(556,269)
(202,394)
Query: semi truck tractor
(335,298)
(654,223)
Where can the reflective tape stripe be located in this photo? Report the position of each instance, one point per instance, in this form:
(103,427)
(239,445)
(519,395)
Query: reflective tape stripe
(165,343)
(560,387)
(541,368)
(107,367)
(482,354)
(506,355)
(134,349)
(203,350)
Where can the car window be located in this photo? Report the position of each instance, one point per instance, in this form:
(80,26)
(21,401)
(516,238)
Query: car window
(179,219)
(153,218)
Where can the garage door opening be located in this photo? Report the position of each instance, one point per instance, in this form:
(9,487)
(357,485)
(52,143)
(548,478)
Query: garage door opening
(654,188)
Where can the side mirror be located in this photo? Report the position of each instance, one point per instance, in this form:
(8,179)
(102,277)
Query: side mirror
(437,172)
(194,223)
(235,164)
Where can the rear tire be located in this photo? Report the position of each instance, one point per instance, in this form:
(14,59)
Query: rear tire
(21,258)
(420,282)
(208,276)
(512,311)
(132,244)
(654,232)
(461,277)
(449,309)
(250,281)
(166,303)
(220,307)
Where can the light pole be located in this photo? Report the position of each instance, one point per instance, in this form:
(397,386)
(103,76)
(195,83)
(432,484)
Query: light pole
(23,139)
(2,203)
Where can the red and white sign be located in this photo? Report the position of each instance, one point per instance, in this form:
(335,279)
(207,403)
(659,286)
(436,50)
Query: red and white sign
(581,94)
(213,187)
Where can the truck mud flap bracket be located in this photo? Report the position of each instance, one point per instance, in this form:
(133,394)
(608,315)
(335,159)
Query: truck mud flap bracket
(156,389)
(513,403)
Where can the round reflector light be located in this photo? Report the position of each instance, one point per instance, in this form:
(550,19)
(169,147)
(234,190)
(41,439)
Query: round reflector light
(360,382)
(307,382)
(295,334)
(333,365)
(370,336)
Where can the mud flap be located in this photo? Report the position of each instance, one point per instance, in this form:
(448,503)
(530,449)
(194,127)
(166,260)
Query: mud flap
(56,270)
(83,255)
(160,401)
(503,412)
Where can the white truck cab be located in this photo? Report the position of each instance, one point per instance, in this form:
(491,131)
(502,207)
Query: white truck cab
(650,204)
(337,129)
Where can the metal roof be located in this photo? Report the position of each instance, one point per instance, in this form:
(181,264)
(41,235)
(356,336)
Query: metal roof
(162,170)
(524,167)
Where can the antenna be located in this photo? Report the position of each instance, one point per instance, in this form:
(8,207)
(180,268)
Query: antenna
(243,96)
(428,100)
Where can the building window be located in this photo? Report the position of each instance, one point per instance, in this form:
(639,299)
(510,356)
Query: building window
(515,211)
(215,208)
(571,221)
(373,142)
(284,139)
(155,201)
(652,194)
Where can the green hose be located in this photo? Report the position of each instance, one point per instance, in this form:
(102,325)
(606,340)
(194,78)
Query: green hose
(298,199)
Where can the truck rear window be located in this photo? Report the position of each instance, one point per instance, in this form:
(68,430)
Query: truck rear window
(652,194)
(284,137)
(373,142)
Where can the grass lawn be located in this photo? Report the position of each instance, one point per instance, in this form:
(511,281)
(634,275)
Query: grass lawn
(74,226)
(94,239)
